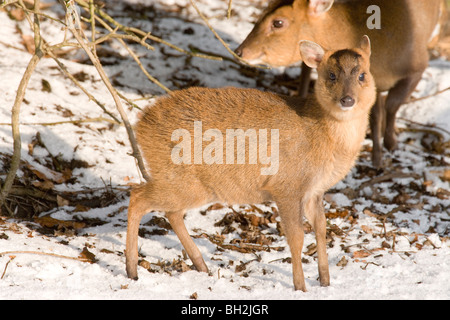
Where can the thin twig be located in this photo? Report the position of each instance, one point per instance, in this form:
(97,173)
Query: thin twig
(423,124)
(226,46)
(122,36)
(45,254)
(387,177)
(131,103)
(429,96)
(135,57)
(7,2)
(226,58)
(6,266)
(63,68)
(91,12)
(229,9)
(98,119)
(25,9)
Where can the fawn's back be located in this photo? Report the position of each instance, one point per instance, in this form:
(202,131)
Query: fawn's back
(308,139)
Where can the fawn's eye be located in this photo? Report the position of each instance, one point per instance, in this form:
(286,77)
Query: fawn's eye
(332,76)
(277,24)
(362,77)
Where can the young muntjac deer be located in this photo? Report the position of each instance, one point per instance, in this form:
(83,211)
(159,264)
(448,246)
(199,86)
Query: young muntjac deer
(399,31)
(314,143)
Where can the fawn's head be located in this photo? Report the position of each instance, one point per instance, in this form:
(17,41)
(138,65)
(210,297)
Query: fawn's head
(345,87)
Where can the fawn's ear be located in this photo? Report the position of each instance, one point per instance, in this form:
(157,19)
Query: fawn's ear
(364,45)
(311,53)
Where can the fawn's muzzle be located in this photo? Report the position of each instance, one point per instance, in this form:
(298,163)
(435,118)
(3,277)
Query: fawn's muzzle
(347,102)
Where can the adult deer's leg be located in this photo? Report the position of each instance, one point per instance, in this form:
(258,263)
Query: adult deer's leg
(376,118)
(305,80)
(396,97)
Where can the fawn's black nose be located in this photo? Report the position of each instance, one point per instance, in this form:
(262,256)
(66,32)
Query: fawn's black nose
(347,101)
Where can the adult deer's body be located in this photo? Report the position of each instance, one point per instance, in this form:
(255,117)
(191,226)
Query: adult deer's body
(399,54)
(319,139)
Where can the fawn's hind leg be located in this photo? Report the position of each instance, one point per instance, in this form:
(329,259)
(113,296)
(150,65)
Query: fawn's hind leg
(177,223)
(153,196)
(137,208)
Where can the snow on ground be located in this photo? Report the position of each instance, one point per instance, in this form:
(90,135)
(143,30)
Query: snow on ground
(388,237)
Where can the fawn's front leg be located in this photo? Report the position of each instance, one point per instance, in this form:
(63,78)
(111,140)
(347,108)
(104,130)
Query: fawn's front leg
(313,210)
(291,220)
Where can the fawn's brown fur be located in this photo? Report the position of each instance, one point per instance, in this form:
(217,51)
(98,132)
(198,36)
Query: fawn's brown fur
(399,54)
(319,140)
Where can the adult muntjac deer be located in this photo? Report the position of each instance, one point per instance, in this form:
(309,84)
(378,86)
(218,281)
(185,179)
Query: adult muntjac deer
(314,143)
(399,54)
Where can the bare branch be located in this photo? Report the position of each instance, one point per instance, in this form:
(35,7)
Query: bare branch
(72,17)
(144,35)
(134,56)
(15,113)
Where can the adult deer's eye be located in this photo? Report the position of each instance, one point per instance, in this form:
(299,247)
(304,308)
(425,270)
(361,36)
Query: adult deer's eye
(277,24)
(332,76)
(362,77)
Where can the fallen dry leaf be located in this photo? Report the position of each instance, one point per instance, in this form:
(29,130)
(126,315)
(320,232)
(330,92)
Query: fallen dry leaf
(87,256)
(81,208)
(446,175)
(193,296)
(144,264)
(367,229)
(361,254)
(48,174)
(43,185)
(343,262)
(17,14)
(370,213)
(50,222)
(61,202)
(240,267)
(28,42)
(42,6)
(338,214)
(312,248)
(215,206)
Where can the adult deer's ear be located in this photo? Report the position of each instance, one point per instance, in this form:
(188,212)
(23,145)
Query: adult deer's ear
(318,7)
